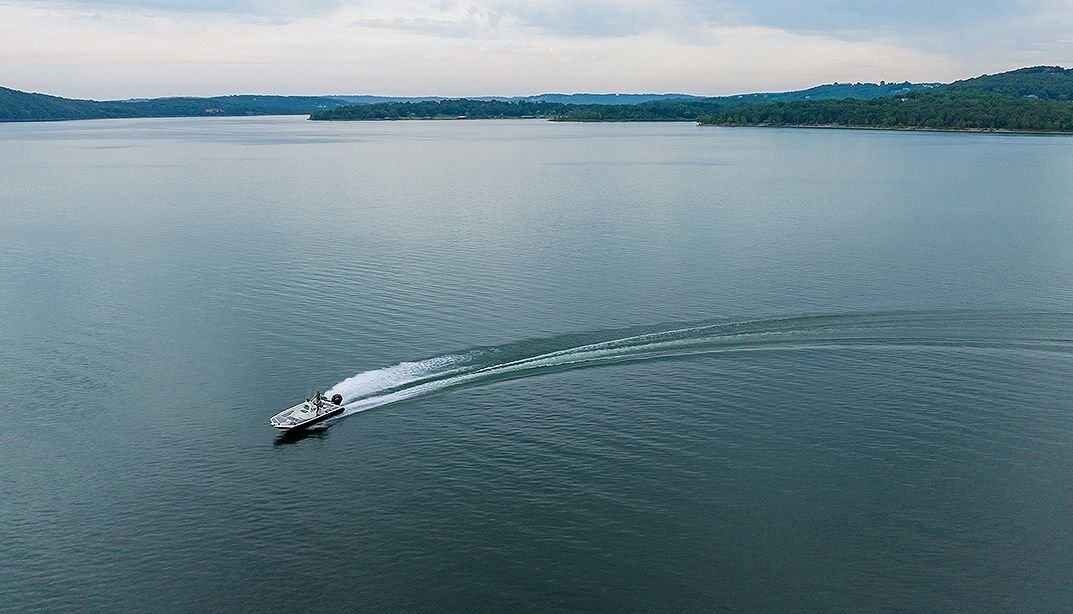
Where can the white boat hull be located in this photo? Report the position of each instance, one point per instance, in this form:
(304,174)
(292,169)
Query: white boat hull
(305,414)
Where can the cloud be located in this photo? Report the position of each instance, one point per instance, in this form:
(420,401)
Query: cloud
(589,19)
(293,9)
(844,16)
(116,48)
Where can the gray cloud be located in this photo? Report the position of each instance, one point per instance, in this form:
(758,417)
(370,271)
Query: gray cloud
(587,19)
(524,46)
(856,16)
(258,8)
(847,19)
(422,25)
(962,28)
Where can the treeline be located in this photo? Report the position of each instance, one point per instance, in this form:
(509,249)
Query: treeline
(1046,82)
(445,109)
(21,106)
(1035,98)
(462,108)
(662,111)
(24,106)
(667,108)
(935,110)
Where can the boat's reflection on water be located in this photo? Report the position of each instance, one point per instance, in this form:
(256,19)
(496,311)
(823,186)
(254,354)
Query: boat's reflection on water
(295,435)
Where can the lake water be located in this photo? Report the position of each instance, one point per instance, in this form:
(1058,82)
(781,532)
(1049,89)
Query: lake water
(594,367)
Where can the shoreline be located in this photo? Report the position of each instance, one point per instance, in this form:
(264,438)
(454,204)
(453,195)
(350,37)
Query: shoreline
(703,125)
(895,128)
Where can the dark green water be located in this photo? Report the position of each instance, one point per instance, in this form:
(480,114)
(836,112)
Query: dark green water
(591,367)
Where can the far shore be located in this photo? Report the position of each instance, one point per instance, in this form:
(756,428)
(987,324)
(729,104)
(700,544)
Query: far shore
(666,121)
(894,128)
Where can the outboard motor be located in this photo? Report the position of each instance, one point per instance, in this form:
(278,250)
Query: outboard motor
(337,399)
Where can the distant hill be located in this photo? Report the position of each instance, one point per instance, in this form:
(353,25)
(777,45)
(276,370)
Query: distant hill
(601,107)
(244,104)
(820,92)
(1035,99)
(689,109)
(461,108)
(1032,99)
(837,91)
(603,99)
(608,99)
(1044,82)
(24,106)
(384,99)
(940,110)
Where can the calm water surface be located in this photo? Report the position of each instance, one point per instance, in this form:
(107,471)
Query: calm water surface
(591,367)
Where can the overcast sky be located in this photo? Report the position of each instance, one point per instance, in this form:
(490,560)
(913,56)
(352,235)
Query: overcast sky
(132,48)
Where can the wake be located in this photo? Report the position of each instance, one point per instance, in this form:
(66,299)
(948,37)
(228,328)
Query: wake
(1051,334)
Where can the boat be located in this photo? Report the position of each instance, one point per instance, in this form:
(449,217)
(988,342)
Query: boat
(308,412)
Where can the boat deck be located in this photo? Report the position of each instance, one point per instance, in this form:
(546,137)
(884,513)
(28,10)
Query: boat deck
(304,412)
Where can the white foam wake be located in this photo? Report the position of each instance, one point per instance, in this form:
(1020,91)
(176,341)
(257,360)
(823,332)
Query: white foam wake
(370,383)
(937,331)
(407,380)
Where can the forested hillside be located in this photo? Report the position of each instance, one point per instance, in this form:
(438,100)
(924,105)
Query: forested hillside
(1038,98)
(444,109)
(949,110)
(23,106)
(596,107)
(1045,82)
